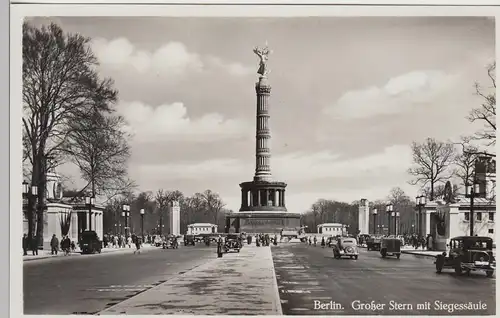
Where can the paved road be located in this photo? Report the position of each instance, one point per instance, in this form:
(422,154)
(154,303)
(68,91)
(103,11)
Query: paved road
(86,285)
(306,274)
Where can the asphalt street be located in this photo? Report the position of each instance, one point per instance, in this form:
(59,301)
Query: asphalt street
(87,285)
(312,282)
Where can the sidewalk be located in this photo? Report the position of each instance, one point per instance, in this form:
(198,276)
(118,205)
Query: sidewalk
(44,254)
(241,283)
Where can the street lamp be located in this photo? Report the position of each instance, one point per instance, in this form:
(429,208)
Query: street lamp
(142,224)
(374,212)
(421,202)
(396,224)
(90,201)
(389,208)
(472,191)
(126,213)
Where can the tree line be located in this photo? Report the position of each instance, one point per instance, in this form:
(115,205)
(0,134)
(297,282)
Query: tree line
(204,207)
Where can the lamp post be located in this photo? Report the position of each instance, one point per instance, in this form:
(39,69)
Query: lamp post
(142,224)
(126,214)
(374,212)
(89,202)
(389,209)
(421,202)
(396,224)
(30,193)
(472,191)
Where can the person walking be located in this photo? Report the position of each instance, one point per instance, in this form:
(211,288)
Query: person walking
(54,244)
(315,241)
(137,245)
(323,242)
(34,246)
(66,245)
(25,244)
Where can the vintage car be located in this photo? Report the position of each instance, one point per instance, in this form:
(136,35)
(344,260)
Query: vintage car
(468,253)
(158,241)
(170,242)
(373,243)
(345,247)
(232,243)
(90,243)
(189,240)
(390,246)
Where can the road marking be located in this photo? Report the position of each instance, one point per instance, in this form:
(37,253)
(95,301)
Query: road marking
(292,291)
(290,283)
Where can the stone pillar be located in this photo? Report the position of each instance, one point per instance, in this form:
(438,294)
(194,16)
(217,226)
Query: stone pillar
(258,198)
(243,199)
(283,197)
(427,222)
(263,135)
(74,226)
(87,215)
(250,198)
(276,198)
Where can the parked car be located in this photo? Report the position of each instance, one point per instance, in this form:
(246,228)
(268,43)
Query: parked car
(468,253)
(373,243)
(390,247)
(170,242)
(232,243)
(345,246)
(189,240)
(90,243)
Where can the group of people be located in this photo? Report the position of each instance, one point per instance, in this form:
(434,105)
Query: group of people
(66,245)
(121,241)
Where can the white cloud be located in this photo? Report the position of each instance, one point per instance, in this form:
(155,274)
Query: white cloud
(172,58)
(171,122)
(399,94)
(233,68)
(295,167)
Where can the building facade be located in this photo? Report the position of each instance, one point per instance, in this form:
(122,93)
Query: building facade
(364,216)
(331,229)
(201,228)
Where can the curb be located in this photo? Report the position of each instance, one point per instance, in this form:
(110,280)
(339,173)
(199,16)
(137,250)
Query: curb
(277,303)
(79,254)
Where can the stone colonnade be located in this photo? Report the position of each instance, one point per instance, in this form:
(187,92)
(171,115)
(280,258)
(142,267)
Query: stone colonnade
(263,197)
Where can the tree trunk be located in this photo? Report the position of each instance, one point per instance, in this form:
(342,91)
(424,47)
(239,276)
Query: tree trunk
(40,207)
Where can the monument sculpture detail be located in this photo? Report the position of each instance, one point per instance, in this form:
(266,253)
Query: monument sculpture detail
(263,208)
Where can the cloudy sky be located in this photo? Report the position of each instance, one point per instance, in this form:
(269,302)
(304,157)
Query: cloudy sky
(348,97)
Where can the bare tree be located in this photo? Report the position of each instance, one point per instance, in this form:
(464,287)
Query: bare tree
(486,113)
(431,160)
(97,144)
(214,204)
(465,161)
(59,84)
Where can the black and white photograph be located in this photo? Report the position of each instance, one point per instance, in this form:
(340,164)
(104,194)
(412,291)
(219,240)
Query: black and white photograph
(310,164)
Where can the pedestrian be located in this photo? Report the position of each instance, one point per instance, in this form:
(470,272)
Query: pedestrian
(315,240)
(137,245)
(310,242)
(66,245)
(73,246)
(54,244)
(323,242)
(129,242)
(429,243)
(25,244)
(34,245)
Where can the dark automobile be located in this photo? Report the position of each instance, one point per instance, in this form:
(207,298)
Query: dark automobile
(390,247)
(232,243)
(189,240)
(170,242)
(373,243)
(468,253)
(345,246)
(90,243)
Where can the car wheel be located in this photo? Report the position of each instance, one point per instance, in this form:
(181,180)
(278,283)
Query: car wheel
(489,273)
(458,268)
